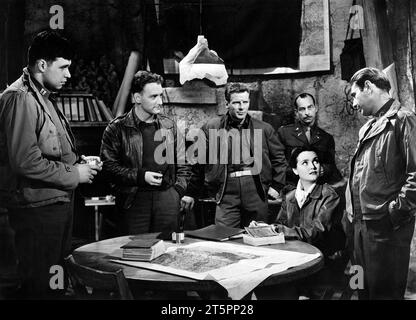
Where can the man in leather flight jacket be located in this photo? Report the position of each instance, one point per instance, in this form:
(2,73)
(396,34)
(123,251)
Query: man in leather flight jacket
(240,187)
(148,191)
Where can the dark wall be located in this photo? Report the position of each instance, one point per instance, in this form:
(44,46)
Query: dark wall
(95,27)
(12,50)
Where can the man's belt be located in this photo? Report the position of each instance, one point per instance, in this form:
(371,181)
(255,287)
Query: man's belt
(237,174)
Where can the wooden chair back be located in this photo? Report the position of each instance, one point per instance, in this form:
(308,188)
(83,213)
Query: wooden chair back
(89,283)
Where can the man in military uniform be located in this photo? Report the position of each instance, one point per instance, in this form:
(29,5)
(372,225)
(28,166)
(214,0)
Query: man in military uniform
(306,133)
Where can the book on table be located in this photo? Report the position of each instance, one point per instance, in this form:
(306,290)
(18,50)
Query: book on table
(215,233)
(262,234)
(143,249)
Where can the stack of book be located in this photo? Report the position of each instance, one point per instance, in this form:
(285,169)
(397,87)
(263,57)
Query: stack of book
(143,249)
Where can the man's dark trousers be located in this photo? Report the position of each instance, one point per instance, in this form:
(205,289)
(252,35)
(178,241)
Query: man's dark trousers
(384,255)
(152,211)
(43,239)
(241,203)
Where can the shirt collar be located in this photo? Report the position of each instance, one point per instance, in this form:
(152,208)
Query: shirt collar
(137,120)
(45,93)
(234,124)
(303,126)
(301,195)
(383,110)
(42,90)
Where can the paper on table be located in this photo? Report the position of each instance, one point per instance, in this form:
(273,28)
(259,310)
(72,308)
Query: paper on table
(238,289)
(238,268)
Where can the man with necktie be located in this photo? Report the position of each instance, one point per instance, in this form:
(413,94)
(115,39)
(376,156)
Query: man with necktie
(304,132)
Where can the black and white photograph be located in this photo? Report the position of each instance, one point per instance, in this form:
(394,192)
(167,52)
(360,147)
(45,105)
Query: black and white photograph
(207,157)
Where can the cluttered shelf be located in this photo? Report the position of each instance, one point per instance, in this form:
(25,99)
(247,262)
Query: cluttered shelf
(88,116)
(84,109)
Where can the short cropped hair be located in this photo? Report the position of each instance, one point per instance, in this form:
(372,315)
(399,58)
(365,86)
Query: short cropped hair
(375,76)
(293,159)
(235,88)
(303,95)
(142,77)
(49,45)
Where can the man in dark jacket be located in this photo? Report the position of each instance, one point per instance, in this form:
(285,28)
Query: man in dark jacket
(148,186)
(252,169)
(39,166)
(381,192)
(306,133)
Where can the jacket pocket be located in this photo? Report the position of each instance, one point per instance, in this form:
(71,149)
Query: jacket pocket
(399,218)
(48,141)
(380,168)
(31,191)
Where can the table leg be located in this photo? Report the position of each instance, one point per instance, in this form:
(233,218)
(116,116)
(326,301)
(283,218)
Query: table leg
(97,224)
(287,291)
(213,295)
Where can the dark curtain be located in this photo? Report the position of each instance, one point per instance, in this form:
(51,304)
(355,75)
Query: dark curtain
(3,44)
(245,34)
(253,33)
(132,14)
(153,38)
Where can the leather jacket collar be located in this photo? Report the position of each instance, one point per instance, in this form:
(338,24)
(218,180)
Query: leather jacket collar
(315,194)
(131,120)
(380,123)
(231,123)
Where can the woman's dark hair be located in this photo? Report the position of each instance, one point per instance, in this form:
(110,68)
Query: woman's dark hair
(293,159)
(49,45)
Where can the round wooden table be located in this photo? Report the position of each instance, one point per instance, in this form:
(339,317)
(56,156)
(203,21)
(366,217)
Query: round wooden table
(97,255)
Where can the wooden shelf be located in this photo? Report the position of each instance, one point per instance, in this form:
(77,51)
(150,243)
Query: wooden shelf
(83,124)
(83,108)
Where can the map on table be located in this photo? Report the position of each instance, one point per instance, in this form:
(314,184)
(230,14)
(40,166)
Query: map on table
(217,260)
(201,259)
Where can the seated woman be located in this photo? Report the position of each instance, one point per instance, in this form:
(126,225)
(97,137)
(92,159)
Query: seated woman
(309,212)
